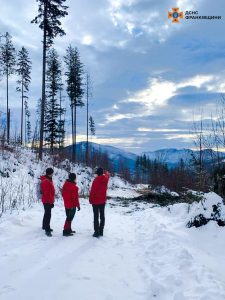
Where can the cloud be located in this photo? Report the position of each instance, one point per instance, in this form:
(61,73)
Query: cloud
(157,94)
(142,129)
(147,72)
(117,117)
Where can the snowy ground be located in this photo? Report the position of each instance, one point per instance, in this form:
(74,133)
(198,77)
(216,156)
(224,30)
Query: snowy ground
(146,253)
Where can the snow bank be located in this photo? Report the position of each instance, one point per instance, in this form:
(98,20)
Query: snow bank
(20,172)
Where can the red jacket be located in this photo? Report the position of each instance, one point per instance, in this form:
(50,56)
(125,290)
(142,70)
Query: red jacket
(70,195)
(99,189)
(47,190)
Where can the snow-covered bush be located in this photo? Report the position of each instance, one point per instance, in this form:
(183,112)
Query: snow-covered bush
(211,208)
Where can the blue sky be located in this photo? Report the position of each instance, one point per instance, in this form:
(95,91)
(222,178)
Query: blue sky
(151,77)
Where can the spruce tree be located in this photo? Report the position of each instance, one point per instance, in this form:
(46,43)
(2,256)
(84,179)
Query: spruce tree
(23,70)
(62,112)
(52,113)
(8,61)
(49,14)
(92,125)
(75,90)
(88,95)
(27,124)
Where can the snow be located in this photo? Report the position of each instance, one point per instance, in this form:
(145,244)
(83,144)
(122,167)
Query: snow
(119,188)
(20,172)
(146,253)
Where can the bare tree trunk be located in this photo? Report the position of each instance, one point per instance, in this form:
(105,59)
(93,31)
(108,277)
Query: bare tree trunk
(43,85)
(87,145)
(75,133)
(73,145)
(22,118)
(7,108)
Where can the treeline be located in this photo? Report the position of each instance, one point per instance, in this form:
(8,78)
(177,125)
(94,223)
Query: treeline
(157,173)
(60,75)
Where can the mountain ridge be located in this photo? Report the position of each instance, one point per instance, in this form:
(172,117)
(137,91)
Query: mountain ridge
(171,156)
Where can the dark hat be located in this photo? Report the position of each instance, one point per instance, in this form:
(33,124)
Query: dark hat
(72,176)
(99,171)
(49,171)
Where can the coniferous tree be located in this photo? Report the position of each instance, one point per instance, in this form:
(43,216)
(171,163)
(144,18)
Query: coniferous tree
(62,112)
(88,95)
(36,133)
(49,14)
(27,124)
(23,70)
(137,169)
(75,90)
(92,125)
(8,61)
(1,39)
(52,114)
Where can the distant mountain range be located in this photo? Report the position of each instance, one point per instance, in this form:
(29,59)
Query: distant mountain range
(115,155)
(173,156)
(170,156)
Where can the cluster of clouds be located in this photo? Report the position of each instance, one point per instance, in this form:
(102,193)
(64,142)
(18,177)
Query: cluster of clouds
(151,77)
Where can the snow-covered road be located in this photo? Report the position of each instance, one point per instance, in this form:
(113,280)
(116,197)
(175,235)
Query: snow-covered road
(145,254)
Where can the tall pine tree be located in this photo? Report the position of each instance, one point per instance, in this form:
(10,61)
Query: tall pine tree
(23,70)
(52,114)
(92,125)
(8,61)
(49,14)
(75,90)
(88,96)
(27,124)
(62,112)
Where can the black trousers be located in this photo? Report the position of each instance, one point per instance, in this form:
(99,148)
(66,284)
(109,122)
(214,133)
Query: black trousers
(47,216)
(70,213)
(99,210)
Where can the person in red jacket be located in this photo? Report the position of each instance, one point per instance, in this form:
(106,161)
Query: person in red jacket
(48,198)
(98,200)
(71,202)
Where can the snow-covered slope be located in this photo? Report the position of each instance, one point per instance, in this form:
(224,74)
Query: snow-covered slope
(115,155)
(20,172)
(146,253)
(173,156)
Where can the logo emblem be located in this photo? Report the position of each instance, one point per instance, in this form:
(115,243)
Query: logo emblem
(175,15)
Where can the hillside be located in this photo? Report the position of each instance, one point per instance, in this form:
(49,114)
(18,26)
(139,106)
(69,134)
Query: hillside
(115,155)
(20,172)
(147,251)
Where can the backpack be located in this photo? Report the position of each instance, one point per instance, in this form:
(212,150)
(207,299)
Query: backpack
(38,189)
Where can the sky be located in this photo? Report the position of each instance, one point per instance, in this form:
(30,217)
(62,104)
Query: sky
(151,78)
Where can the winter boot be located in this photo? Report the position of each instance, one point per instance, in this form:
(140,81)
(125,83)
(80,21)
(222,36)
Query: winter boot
(48,233)
(67,233)
(96,234)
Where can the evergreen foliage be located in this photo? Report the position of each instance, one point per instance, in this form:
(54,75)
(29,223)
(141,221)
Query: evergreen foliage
(75,89)
(8,62)
(23,70)
(52,126)
(49,14)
